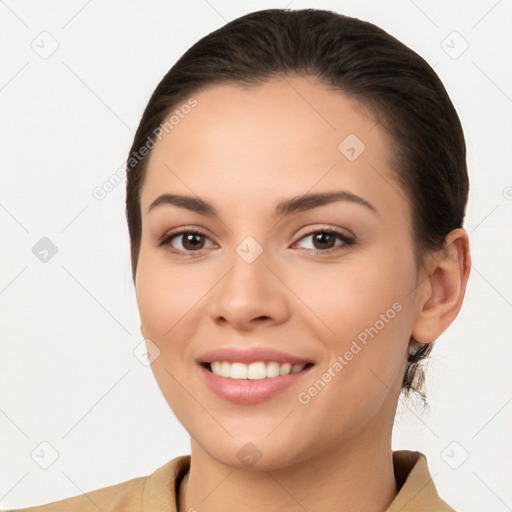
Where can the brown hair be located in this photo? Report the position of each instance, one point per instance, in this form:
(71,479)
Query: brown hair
(352,56)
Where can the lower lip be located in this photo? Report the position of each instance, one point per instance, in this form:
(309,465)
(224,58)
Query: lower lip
(249,391)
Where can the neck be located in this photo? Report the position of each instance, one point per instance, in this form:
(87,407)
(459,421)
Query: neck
(356,478)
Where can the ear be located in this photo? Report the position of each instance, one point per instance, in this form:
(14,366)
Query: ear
(442,291)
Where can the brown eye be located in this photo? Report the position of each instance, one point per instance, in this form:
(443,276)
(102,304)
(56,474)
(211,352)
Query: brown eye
(192,241)
(324,240)
(184,241)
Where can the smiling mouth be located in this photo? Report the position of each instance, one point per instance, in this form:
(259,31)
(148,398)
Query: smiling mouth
(254,371)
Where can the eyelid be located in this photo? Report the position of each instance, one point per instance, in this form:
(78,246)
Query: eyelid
(326,228)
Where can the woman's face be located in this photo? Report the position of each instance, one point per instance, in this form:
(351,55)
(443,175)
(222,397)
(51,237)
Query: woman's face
(267,286)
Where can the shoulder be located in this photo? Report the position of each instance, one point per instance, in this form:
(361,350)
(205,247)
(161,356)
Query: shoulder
(127,496)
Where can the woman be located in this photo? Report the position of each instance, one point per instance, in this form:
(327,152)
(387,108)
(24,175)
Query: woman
(295,199)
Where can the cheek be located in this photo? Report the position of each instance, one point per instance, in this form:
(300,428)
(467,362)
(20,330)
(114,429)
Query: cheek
(165,295)
(365,307)
(166,298)
(351,296)
(171,300)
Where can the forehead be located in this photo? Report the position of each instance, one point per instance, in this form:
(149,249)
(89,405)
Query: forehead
(281,138)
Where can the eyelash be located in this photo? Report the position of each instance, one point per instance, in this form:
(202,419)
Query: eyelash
(347,241)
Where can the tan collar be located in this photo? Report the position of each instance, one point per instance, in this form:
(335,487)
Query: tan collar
(417,491)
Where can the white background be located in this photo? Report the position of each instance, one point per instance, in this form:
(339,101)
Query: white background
(68,375)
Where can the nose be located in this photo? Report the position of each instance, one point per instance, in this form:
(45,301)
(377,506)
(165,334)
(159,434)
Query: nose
(249,293)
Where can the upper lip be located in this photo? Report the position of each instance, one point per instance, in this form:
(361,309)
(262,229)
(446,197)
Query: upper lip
(250,355)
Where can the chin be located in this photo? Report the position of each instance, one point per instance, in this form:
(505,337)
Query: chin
(254,453)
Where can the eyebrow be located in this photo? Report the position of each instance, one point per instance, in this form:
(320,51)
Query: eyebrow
(283,209)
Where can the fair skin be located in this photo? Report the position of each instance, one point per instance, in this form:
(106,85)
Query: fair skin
(243,150)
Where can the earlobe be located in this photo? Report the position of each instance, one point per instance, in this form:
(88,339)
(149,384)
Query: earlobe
(442,292)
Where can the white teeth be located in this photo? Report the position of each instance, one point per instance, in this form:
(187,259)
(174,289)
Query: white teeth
(273,369)
(254,371)
(239,371)
(285,369)
(225,369)
(297,368)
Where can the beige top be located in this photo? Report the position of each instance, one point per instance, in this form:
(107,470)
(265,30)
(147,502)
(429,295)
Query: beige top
(158,491)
